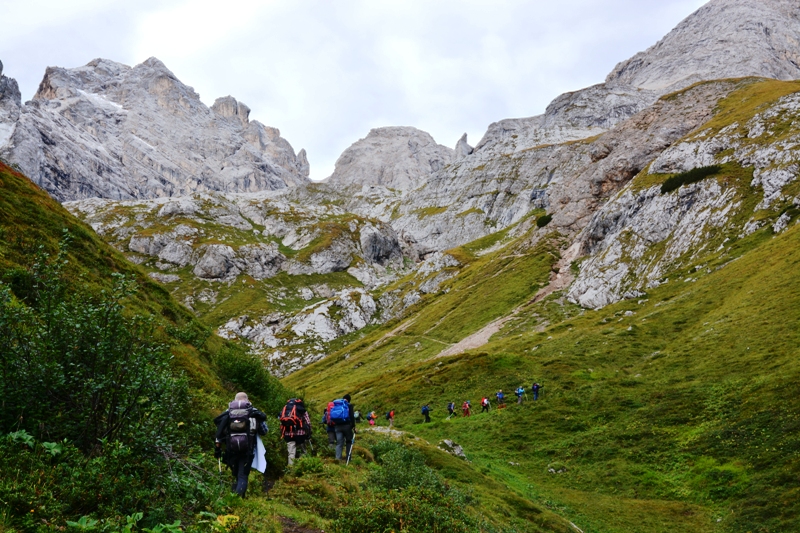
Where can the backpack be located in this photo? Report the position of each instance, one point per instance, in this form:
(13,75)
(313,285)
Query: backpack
(451,406)
(485,401)
(425,409)
(239,426)
(357,415)
(292,418)
(535,387)
(520,391)
(338,412)
(500,396)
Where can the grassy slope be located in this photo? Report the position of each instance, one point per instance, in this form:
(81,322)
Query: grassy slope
(29,218)
(683,414)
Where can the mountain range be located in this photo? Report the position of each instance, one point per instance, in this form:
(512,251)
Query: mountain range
(414,260)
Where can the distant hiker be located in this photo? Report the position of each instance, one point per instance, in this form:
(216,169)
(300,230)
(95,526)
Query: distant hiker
(451,409)
(520,392)
(372,417)
(237,427)
(485,405)
(295,427)
(535,388)
(390,417)
(342,416)
(426,410)
(465,408)
(501,399)
(329,429)
(357,416)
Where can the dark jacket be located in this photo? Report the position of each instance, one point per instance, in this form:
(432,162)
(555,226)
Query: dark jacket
(222,426)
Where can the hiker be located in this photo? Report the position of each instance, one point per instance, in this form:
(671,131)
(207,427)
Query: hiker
(295,427)
(390,417)
(329,429)
(535,388)
(341,415)
(357,416)
(451,408)
(465,408)
(372,417)
(520,392)
(237,427)
(501,399)
(485,405)
(426,410)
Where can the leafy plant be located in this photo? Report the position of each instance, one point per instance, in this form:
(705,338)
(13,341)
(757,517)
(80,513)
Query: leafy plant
(684,178)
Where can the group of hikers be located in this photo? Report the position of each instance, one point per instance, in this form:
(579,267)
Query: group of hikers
(466,406)
(240,426)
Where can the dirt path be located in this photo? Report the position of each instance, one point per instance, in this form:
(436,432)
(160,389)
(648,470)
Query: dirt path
(560,279)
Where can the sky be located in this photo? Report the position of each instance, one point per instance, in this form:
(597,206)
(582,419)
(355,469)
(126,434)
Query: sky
(325,72)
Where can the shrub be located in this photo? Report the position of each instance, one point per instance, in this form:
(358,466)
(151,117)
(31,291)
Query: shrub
(402,468)
(414,510)
(543,220)
(691,176)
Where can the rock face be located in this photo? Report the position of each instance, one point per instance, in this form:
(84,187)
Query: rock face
(640,236)
(108,130)
(395,157)
(723,39)
(10,106)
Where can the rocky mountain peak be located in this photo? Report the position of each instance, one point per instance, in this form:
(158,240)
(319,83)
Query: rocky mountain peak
(722,39)
(113,131)
(395,157)
(229,107)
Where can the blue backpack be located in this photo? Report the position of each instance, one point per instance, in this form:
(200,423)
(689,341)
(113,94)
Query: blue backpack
(425,410)
(339,412)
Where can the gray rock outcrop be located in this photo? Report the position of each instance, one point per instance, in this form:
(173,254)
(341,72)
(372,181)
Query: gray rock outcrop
(722,39)
(111,131)
(394,157)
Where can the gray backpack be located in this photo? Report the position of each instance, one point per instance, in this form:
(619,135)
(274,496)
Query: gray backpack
(239,426)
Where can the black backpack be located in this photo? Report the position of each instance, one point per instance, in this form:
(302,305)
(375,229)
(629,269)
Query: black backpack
(239,426)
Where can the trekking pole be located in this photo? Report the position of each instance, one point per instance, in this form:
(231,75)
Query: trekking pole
(219,463)
(350,451)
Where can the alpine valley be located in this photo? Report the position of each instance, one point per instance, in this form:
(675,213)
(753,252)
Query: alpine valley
(634,249)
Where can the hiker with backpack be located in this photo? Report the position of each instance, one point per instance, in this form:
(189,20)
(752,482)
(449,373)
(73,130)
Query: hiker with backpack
(238,427)
(501,399)
(426,410)
(342,417)
(295,427)
(465,408)
(390,417)
(485,404)
(519,392)
(535,388)
(329,429)
(451,408)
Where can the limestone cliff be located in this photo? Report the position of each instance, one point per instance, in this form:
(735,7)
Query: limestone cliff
(111,131)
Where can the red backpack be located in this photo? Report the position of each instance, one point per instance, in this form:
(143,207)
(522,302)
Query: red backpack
(292,418)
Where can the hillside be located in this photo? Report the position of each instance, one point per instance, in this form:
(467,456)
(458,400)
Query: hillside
(673,402)
(676,408)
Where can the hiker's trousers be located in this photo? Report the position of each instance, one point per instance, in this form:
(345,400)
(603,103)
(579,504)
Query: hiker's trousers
(344,440)
(240,468)
(292,447)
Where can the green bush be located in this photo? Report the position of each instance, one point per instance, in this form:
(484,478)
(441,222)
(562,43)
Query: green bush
(691,176)
(543,220)
(414,510)
(94,405)
(402,468)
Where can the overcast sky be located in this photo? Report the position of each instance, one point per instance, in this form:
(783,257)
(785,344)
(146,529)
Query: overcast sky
(326,71)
